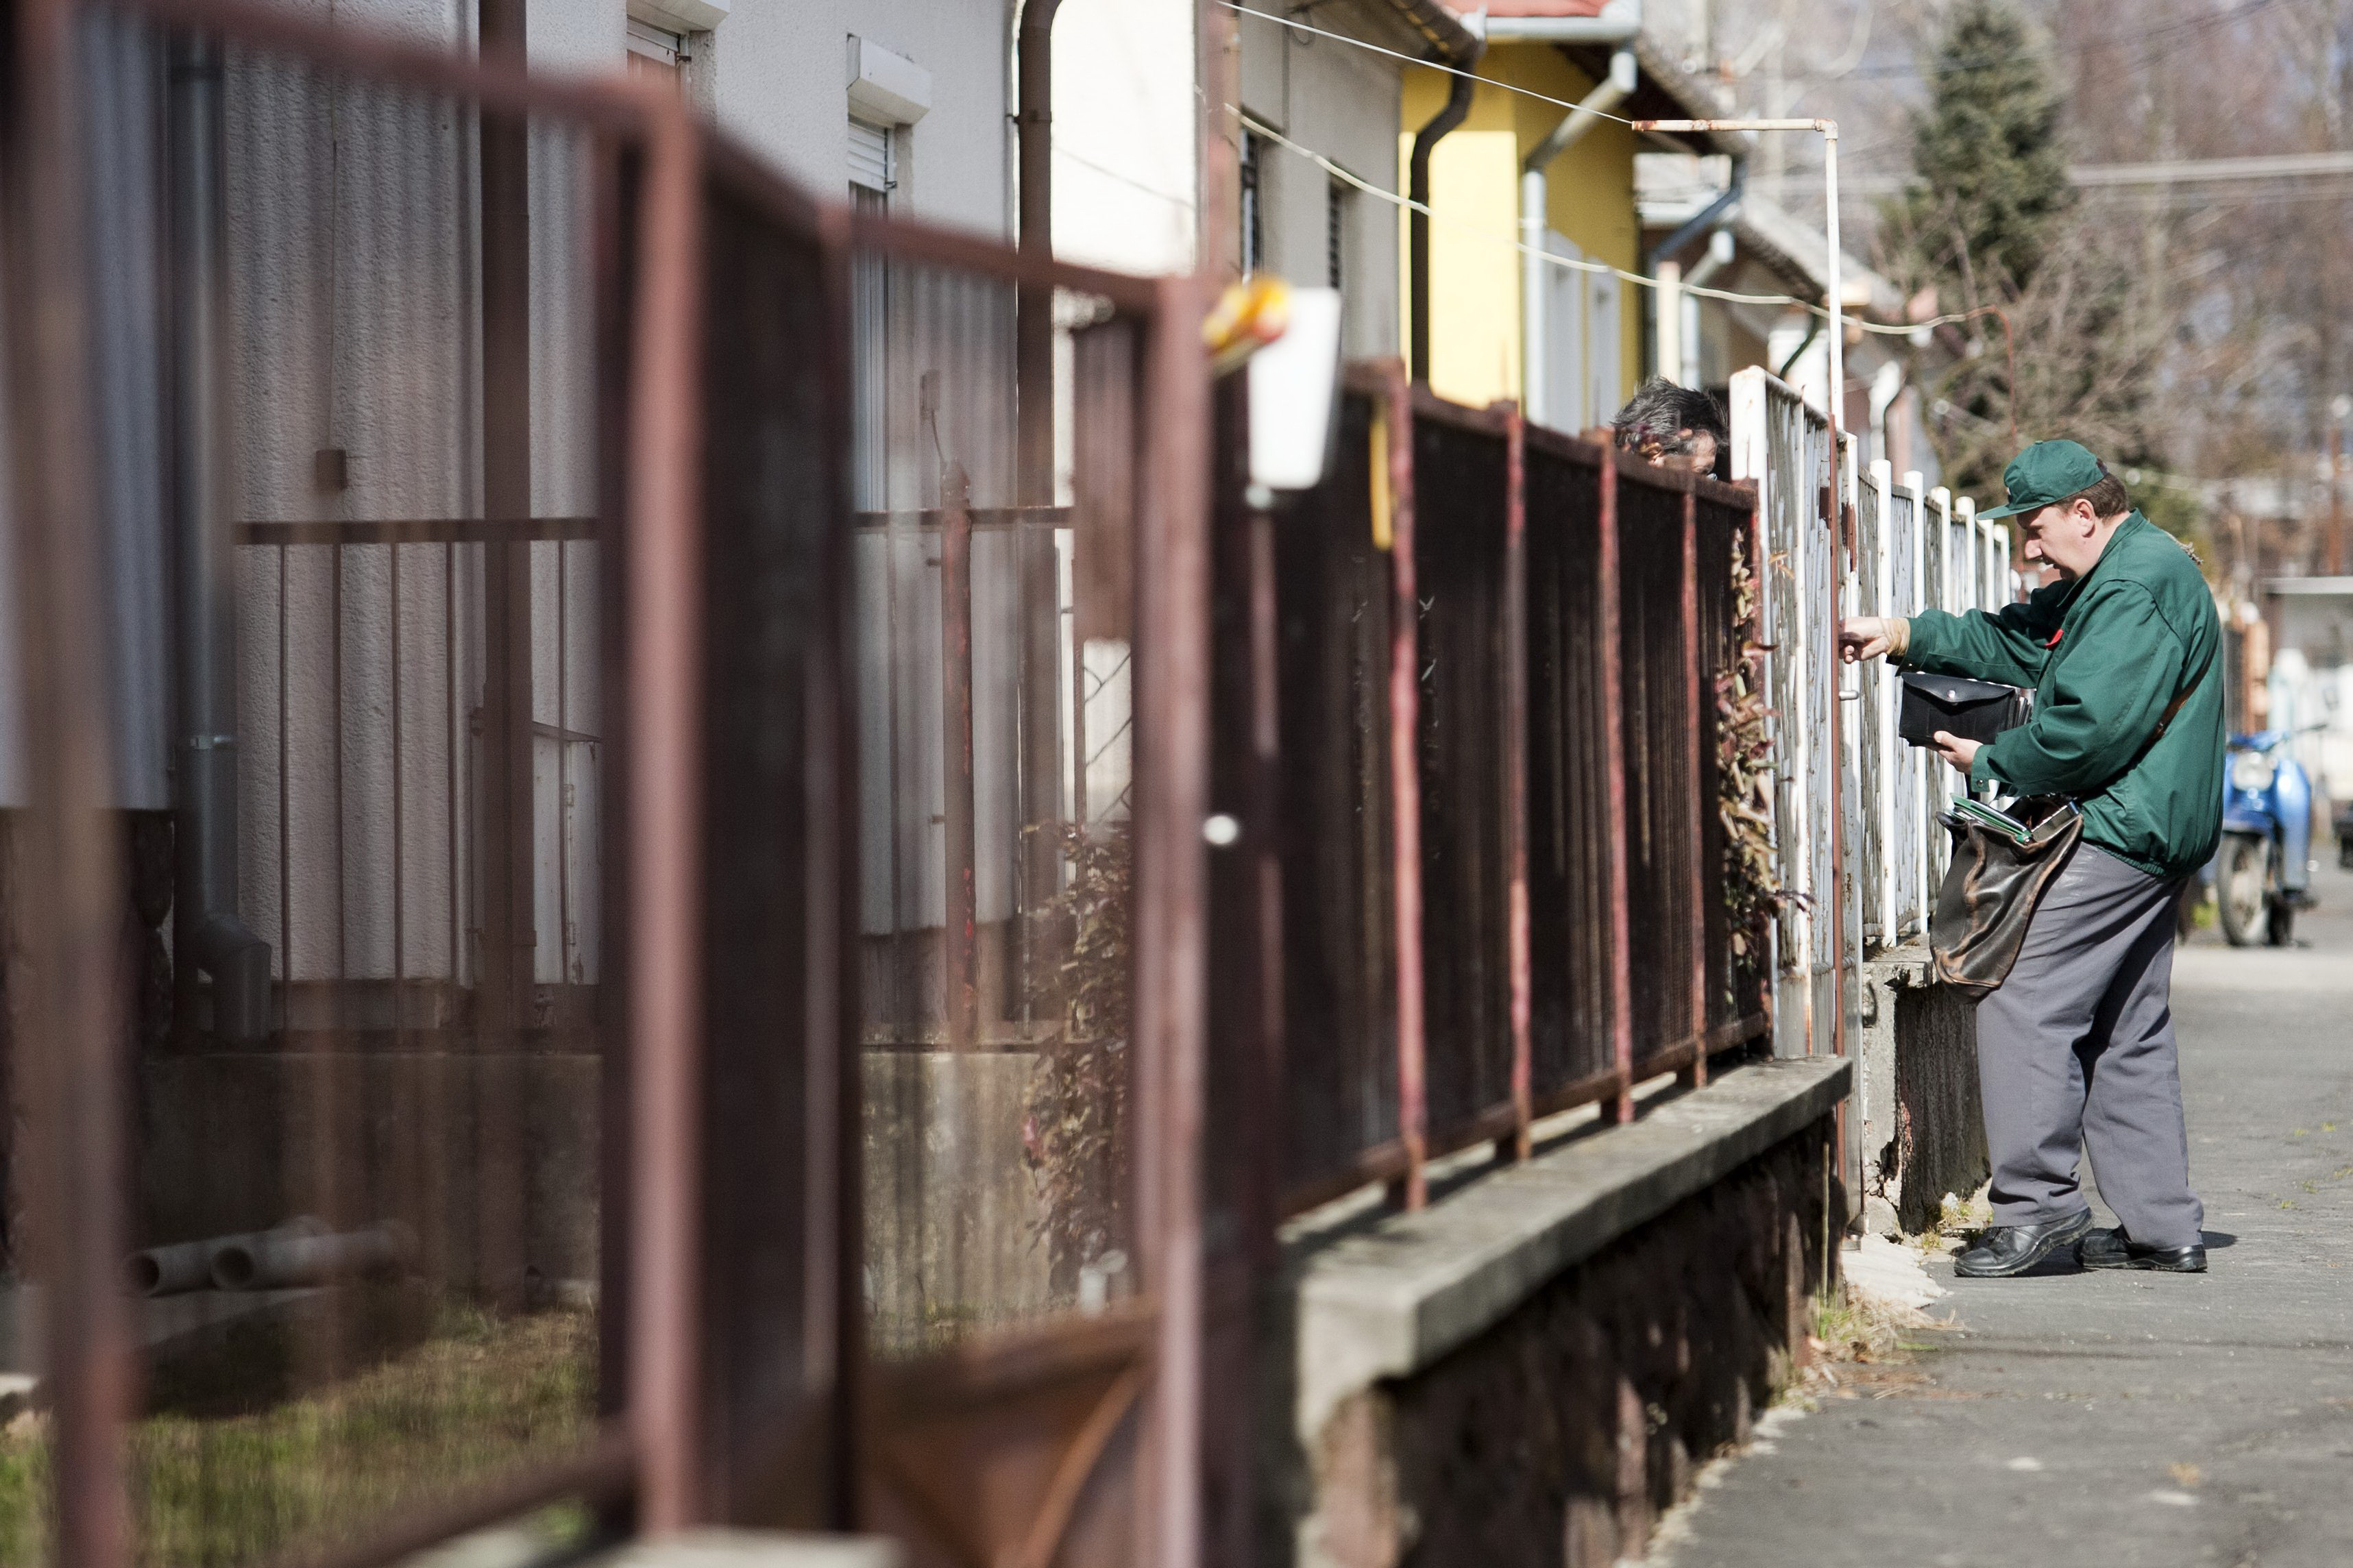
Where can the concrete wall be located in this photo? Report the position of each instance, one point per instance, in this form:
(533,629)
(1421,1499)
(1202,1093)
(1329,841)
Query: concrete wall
(1560,1434)
(1923,1126)
(1126,155)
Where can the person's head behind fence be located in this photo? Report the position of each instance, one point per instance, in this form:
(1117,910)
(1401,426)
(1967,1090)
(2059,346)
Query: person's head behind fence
(1671,426)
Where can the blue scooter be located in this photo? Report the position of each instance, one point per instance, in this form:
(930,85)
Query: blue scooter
(2263,873)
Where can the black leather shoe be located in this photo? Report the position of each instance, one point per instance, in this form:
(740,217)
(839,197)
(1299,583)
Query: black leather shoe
(2008,1249)
(2115,1250)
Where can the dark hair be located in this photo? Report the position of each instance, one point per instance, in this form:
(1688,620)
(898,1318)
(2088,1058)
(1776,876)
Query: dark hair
(2108,498)
(1663,417)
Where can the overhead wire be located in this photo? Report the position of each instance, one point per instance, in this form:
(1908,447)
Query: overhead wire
(1576,264)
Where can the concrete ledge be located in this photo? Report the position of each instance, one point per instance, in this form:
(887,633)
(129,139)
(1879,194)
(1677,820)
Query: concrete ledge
(1391,1301)
(756,1548)
(519,1546)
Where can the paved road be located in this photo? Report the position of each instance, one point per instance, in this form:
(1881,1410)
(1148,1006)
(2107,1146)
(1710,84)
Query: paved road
(2115,1418)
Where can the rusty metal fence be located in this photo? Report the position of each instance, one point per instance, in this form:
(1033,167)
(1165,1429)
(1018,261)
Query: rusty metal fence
(701,1019)
(1492,659)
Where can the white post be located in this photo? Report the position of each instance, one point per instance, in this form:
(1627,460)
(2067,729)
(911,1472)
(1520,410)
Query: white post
(1882,479)
(1534,402)
(1829,128)
(1923,827)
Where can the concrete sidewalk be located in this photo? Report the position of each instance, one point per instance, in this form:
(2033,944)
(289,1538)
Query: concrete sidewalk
(2118,1418)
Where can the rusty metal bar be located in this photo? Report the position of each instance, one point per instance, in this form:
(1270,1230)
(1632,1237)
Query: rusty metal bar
(1405,792)
(74,1169)
(1696,731)
(1613,687)
(419,530)
(665,767)
(509,939)
(1172,766)
(962,983)
(1516,773)
(1265,837)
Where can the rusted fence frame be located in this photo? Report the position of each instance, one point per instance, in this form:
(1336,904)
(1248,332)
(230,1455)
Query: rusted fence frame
(1516,773)
(1165,1326)
(1696,736)
(1411,1188)
(77,1164)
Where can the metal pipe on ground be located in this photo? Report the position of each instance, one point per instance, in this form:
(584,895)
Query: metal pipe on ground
(189,1264)
(206,934)
(283,1259)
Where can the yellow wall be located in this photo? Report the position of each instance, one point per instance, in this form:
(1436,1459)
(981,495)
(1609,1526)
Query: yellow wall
(1475,182)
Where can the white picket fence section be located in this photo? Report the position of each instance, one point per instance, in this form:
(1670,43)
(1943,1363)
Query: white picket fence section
(1856,831)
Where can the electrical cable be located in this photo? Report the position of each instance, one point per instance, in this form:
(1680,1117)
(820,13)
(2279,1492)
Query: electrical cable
(1576,264)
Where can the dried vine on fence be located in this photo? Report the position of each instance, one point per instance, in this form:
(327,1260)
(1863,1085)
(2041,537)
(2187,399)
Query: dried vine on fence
(1075,1127)
(1753,894)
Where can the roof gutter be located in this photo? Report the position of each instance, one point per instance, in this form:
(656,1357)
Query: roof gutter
(1621,22)
(1451,37)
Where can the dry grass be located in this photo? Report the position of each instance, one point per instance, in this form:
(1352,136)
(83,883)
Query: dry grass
(481,1396)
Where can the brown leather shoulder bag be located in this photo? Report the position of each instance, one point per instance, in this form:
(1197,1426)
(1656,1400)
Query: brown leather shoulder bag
(1992,890)
(1995,882)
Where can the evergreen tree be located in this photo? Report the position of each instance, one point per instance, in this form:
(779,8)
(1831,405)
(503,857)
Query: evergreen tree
(1989,182)
(1989,219)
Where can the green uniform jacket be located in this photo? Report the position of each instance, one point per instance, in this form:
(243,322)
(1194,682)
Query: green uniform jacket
(2107,655)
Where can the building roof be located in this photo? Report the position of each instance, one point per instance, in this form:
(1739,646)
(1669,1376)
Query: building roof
(1438,25)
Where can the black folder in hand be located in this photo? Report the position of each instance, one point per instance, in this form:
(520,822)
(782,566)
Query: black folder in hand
(1972,710)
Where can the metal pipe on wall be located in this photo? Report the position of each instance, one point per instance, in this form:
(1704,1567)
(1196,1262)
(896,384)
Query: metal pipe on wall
(206,932)
(1534,206)
(1457,109)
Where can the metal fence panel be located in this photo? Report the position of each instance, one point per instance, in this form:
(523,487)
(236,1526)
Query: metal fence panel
(1339,963)
(1464,722)
(1660,791)
(1570,841)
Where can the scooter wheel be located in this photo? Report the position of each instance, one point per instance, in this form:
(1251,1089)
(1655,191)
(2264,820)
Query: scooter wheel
(2241,888)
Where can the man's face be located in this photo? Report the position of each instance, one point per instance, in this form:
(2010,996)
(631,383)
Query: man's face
(2067,538)
(1699,459)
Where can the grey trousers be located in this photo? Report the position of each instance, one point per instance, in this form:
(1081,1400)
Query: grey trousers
(2075,1053)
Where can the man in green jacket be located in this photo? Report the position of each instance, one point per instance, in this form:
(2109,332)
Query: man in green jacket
(2075,1049)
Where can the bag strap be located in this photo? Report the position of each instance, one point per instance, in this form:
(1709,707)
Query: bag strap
(2174,707)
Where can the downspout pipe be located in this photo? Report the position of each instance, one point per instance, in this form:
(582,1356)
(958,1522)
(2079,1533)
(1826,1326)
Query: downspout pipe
(1663,263)
(1613,88)
(1716,214)
(206,934)
(1033,325)
(1425,141)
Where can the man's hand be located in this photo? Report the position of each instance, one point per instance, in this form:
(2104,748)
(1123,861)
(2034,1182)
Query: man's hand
(1865,637)
(1961,753)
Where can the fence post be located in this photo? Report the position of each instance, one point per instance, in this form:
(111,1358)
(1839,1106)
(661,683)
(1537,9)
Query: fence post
(1613,730)
(1515,769)
(963,980)
(1883,604)
(1404,791)
(1697,731)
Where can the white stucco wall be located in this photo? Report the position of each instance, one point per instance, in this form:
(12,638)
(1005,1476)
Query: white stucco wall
(1127,161)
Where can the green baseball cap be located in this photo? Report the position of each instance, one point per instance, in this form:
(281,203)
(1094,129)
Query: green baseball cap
(2046,474)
